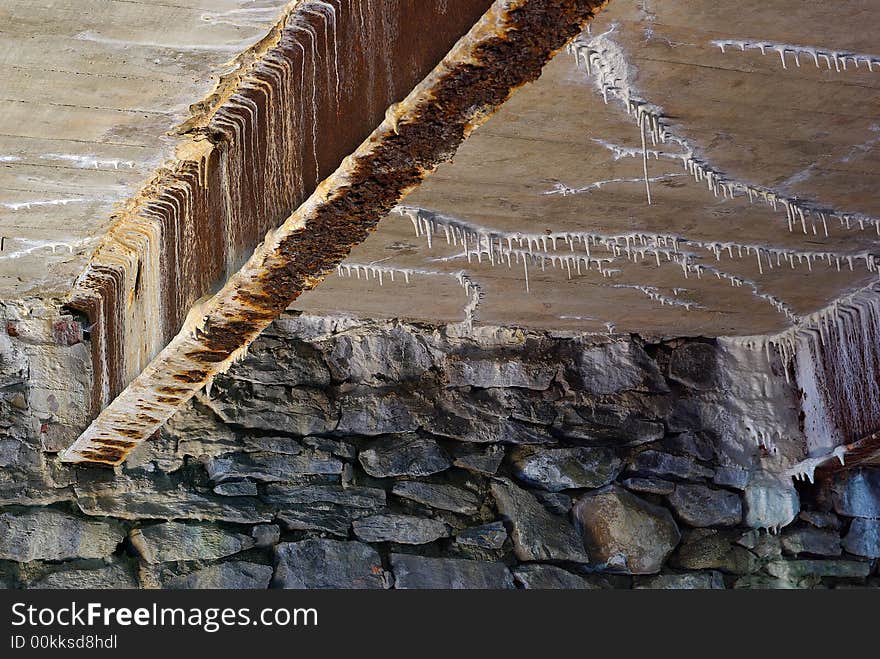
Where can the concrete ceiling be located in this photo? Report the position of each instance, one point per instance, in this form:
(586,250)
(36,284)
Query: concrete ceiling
(90,91)
(558,160)
(97,85)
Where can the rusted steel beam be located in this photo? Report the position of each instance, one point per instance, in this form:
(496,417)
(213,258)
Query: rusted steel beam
(506,49)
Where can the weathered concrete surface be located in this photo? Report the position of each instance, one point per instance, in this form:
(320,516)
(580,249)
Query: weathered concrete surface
(506,49)
(803,132)
(92,88)
(218,129)
(557,162)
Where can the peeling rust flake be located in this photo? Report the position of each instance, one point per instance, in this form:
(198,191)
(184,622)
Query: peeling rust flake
(507,48)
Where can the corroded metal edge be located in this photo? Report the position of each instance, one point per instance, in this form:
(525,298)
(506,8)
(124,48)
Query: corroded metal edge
(506,49)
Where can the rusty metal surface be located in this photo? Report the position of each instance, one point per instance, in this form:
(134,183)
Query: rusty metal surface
(507,48)
(282,118)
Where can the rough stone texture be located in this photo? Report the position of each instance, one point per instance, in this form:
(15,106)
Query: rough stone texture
(266,535)
(470,370)
(565,468)
(556,502)
(173,541)
(272,467)
(698,505)
(711,550)
(232,505)
(649,485)
(691,581)
(732,477)
(482,460)
(655,463)
(486,536)
(236,489)
(695,365)
(832,568)
(141,498)
(327,508)
(857,493)
(625,533)
(762,544)
(863,538)
(103,578)
(328,564)
(810,540)
(537,535)
(439,496)
(402,529)
(620,366)
(535,576)
(236,575)
(404,456)
(445,573)
(52,535)
(820,519)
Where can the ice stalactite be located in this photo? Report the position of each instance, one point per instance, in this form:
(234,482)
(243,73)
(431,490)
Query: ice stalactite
(805,470)
(566,190)
(834,357)
(780,257)
(827,58)
(654,293)
(619,151)
(40,203)
(328,12)
(382,274)
(581,251)
(89,161)
(605,61)
(20,247)
(738,282)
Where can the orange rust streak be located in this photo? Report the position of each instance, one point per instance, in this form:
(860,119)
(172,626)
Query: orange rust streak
(507,48)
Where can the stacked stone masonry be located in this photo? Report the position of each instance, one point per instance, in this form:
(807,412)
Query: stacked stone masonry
(372,454)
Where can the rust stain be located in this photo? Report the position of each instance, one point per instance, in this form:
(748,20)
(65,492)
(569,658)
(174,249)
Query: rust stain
(863,451)
(246,158)
(506,49)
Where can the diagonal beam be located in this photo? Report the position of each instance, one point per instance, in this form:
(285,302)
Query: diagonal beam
(506,49)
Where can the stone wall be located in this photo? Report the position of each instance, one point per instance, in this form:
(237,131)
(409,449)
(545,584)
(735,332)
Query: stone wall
(343,453)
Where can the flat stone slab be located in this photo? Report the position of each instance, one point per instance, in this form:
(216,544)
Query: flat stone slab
(537,576)
(328,564)
(448,573)
(406,455)
(174,541)
(440,496)
(52,535)
(556,469)
(232,575)
(402,529)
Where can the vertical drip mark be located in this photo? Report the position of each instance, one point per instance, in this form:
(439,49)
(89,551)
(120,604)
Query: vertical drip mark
(314,118)
(645,157)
